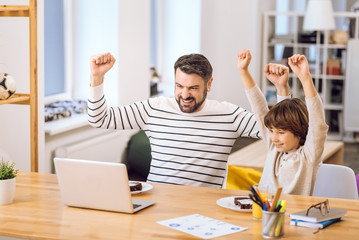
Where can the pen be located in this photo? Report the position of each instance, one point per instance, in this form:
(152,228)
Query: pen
(284,202)
(278,208)
(259,194)
(254,199)
(255,194)
(276,198)
(268,204)
(278,228)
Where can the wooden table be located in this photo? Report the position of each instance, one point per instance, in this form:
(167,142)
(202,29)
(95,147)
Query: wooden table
(37,213)
(254,155)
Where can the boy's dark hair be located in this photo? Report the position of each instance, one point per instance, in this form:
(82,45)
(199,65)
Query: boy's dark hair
(290,115)
(195,63)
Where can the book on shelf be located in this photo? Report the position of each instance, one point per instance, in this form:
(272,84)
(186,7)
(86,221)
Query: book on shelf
(315,215)
(301,223)
(282,38)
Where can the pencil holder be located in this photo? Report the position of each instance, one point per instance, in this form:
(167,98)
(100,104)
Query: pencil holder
(272,224)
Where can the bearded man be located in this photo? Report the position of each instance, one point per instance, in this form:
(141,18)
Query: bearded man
(191,136)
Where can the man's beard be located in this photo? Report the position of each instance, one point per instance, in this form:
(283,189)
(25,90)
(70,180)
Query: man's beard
(196,105)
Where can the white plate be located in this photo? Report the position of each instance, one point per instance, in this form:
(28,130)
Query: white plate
(145,187)
(228,202)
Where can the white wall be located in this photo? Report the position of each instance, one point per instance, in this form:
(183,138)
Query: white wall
(133,58)
(179,33)
(94,30)
(227,27)
(92,34)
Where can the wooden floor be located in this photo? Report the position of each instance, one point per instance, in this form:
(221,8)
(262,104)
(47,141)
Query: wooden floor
(351,152)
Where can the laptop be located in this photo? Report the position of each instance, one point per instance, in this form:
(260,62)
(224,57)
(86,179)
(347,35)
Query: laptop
(96,185)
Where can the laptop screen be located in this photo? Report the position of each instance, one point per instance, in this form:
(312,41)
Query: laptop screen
(94,184)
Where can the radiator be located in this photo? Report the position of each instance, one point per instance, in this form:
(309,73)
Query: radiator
(110,147)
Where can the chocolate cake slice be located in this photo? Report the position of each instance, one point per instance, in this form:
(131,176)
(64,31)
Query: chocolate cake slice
(243,202)
(135,186)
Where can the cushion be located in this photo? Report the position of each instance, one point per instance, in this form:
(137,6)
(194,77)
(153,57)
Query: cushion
(138,157)
(241,178)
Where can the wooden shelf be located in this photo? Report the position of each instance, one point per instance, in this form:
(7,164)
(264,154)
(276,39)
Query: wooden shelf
(321,51)
(333,106)
(14,11)
(30,99)
(17,98)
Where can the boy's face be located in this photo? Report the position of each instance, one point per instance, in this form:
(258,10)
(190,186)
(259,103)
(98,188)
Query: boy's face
(284,140)
(190,91)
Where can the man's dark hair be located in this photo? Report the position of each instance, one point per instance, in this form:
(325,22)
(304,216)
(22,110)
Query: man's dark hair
(195,63)
(290,115)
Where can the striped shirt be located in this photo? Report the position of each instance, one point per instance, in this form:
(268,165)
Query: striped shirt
(186,148)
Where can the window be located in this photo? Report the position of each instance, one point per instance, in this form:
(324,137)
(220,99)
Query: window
(55,84)
(176,31)
(74,30)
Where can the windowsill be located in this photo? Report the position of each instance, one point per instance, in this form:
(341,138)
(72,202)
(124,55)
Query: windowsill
(66,124)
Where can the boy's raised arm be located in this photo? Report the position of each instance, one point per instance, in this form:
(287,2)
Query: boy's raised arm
(299,66)
(278,75)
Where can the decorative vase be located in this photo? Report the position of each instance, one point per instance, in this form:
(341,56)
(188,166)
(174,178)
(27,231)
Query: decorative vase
(7,191)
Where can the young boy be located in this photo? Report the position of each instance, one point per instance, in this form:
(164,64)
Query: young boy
(294,133)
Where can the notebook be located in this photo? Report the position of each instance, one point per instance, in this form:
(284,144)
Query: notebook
(315,215)
(317,225)
(96,185)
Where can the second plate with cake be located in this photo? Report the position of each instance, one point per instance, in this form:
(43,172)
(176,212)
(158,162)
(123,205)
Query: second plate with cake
(145,186)
(244,204)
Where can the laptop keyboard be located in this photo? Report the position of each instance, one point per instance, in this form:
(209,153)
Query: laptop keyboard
(136,206)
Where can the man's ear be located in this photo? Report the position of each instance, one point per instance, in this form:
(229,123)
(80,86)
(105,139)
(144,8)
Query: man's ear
(209,84)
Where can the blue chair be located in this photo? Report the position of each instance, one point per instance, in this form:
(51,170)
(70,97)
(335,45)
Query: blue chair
(335,181)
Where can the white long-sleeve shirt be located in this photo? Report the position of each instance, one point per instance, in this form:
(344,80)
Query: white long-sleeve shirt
(186,148)
(296,170)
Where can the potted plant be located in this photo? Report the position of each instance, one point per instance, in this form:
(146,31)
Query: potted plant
(7,181)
